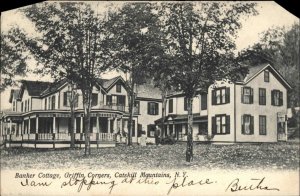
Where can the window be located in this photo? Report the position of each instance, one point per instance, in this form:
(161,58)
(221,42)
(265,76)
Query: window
(247,95)
(121,100)
(185,104)
(118,88)
(22,106)
(45,103)
(151,130)
(247,124)
(94,99)
(262,125)
(152,108)
(25,106)
(53,103)
(266,76)
(202,129)
(108,100)
(115,100)
(221,124)
(49,103)
(137,106)
(170,105)
(220,96)
(203,101)
(262,96)
(14,106)
(276,98)
(66,99)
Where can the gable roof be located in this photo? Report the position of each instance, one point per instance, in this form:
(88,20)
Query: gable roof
(256,70)
(107,84)
(53,87)
(34,88)
(13,93)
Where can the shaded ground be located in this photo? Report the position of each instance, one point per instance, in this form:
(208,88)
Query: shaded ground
(237,156)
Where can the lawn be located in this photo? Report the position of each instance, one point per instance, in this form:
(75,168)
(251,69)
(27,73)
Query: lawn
(238,156)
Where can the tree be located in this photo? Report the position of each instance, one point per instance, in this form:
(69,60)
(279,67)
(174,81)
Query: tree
(13,58)
(69,44)
(200,40)
(132,32)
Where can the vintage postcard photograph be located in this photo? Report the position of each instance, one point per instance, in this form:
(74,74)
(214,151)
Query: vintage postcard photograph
(150,98)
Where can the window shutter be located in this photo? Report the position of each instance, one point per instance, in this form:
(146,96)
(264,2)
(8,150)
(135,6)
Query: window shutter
(251,95)
(65,98)
(148,108)
(213,124)
(272,97)
(251,124)
(242,95)
(280,98)
(242,123)
(76,100)
(156,108)
(213,97)
(228,124)
(58,101)
(227,95)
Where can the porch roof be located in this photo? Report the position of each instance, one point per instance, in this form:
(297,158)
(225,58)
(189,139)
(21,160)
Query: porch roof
(181,118)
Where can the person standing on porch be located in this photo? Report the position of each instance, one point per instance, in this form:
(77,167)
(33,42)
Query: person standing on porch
(157,135)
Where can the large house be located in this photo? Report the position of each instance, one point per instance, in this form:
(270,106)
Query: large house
(250,110)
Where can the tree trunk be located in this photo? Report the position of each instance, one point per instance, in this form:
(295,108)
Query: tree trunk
(87,112)
(189,147)
(131,98)
(72,107)
(163,114)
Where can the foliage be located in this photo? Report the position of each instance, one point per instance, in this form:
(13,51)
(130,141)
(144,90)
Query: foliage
(13,58)
(170,139)
(70,43)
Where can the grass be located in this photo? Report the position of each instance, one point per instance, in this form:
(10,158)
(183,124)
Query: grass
(237,156)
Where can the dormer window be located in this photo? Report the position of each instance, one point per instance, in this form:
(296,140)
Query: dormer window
(118,88)
(266,76)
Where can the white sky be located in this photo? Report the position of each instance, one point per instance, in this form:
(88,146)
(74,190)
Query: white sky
(270,14)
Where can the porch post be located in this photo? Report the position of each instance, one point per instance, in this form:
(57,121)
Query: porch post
(54,124)
(97,124)
(108,125)
(81,124)
(115,125)
(10,126)
(28,128)
(37,124)
(23,127)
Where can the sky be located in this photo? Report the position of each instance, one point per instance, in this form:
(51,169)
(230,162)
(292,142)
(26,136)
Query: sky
(270,14)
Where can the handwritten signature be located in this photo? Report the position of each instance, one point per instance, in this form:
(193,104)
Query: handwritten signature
(256,184)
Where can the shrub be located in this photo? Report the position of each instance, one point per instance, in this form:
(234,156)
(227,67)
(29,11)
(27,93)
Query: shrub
(170,139)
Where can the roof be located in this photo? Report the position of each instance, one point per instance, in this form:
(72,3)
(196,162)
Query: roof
(34,88)
(54,87)
(107,84)
(148,91)
(13,93)
(256,70)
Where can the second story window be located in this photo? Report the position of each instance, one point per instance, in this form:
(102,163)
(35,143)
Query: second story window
(266,76)
(45,103)
(185,104)
(14,106)
(153,108)
(25,106)
(137,106)
(262,96)
(276,98)
(94,99)
(66,99)
(247,95)
(170,105)
(53,102)
(22,106)
(221,96)
(118,88)
(203,101)
(247,124)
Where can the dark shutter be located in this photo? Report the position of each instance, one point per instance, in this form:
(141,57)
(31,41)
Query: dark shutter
(185,104)
(76,100)
(227,95)
(213,97)
(58,101)
(204,102)
(149,107)
(251,125)
(280,98)
(228,124)
(251,95)
(170,105)
(65,98)
(213,125)
(108,100)
(272,97)
(148,129)
(242,95)
(156,108)
(242,123)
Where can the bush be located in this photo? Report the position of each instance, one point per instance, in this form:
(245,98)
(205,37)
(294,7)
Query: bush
(170,139)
